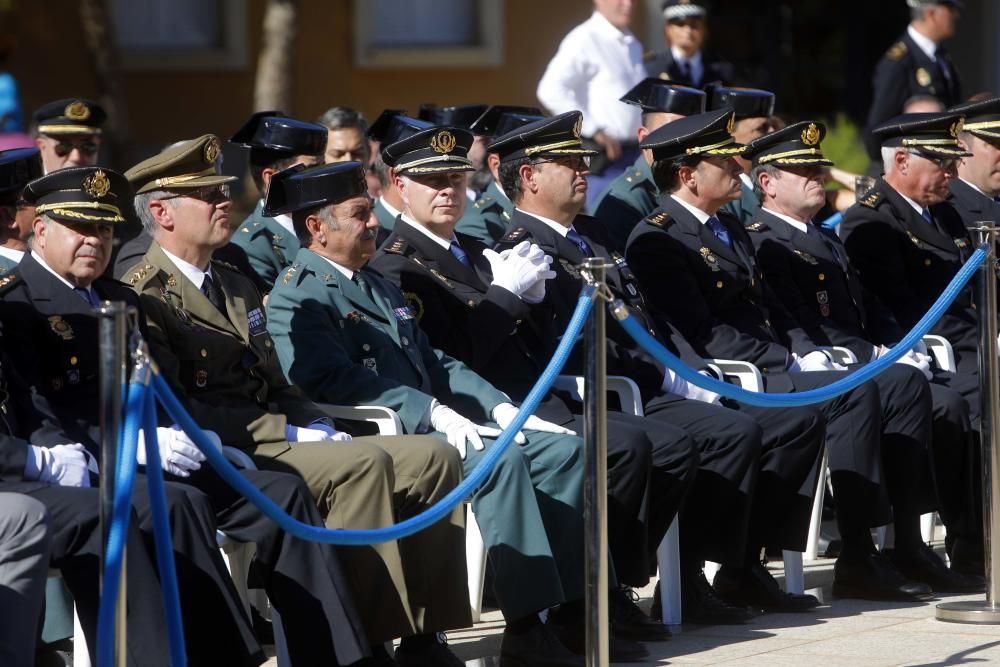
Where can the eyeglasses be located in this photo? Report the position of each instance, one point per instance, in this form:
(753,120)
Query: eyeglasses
(210,194)
(943,163)
(87,147)
(574,162)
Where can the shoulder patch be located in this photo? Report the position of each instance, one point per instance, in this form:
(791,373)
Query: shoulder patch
(9,279)
(660,219)
(398,247)
(757,227)
(289,272)
(515,234)
(872,200)
(896,51)
(483,201)
(140,273)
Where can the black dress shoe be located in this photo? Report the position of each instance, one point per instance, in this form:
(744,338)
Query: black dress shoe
(966,556)
(700,604)
(630,622)
(922,564)
(755,587)
(874,577)
(426,654)
(536,647)
(574,637)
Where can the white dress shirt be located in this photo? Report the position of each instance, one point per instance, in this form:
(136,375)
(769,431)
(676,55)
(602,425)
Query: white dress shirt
(561,230)
(693,210)
(190,271)
(392,210)
(696,68)
(18,255)
(801,226)
(925,44)
(446,244)
(595,65)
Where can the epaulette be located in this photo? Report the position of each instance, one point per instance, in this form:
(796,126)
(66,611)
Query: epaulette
(289,272)
(634,177)
(398,247)
(872,200)
(660,219)
(483,201)
(139,273)
(757,227)
(515,234)
(8,280)
(227,265)
(648,55)
(896,51)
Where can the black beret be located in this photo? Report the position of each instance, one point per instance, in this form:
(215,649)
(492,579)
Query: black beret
(302,187)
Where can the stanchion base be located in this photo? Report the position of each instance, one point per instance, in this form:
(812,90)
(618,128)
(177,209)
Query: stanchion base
(974,611)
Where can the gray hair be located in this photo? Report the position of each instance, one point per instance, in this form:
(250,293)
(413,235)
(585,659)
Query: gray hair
(336,118)
(889,158)
(769,169)
(141,203)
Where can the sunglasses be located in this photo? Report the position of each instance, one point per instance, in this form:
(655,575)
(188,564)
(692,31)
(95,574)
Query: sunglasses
(87,147)
(210,194)
(943,163)
(575,162)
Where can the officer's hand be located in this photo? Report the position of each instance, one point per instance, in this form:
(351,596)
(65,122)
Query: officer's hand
(612,149)
(331,432)
(458,430)
(178,453)
(814,361)
(518,269)
(505,413)
(312,433)
(919,361)
(62,465)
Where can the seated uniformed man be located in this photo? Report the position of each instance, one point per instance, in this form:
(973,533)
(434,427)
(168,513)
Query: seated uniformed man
(17,167)
(754,109)
(807,268)
(632,195)
(275,143)
(473,305)
(486,216)
(68,132)
(722,303)
(46,311)
(345,334)
(746,479)
(904,241)
(975,194)
(207,332)
(389,127)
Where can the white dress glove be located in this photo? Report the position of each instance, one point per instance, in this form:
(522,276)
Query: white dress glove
(915,358)
(315,432)
(520,269)
(332,433)
(178,453)
(458,430)
(504,414)
(675,384)
(62,465)
(814,361)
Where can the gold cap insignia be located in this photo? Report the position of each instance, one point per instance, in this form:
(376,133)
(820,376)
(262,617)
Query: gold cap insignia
(810,135)
(77,111)
(578,126)
(97,184)
(211,151)
(956,127)
(731,124)
(443,142)
(923,77)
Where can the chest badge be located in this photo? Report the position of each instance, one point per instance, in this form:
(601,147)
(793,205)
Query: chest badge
(806,257)
(369,363)
(923,77)
(710,260)
(570,268)
(201,379)
(60,327)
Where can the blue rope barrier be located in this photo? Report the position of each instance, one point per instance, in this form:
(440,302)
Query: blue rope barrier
(161,529)
(833,221)
(843,385)
(416,523)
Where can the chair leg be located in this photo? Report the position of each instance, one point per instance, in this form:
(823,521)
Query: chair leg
(280,645)
(816,521)
(669,563)
(795,580)
(475,556)
(927,522)
(238,557)
(81,654)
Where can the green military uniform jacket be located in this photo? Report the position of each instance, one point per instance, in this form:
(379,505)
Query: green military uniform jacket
(744,208)
(341,346)
(223,367)
(269,246)
(628,199)
(386,220)
(487,218)
(6,264)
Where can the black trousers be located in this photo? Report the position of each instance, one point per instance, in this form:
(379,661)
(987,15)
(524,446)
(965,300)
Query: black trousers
(304,580)
(955,453)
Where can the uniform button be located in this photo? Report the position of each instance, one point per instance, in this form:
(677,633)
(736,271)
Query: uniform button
(767,322)
(471,303)
(366,347)
(267,344)
(517,323)
(73,361)
(927,262)
(405,340)
(204,352)
(822,276)
(719,284)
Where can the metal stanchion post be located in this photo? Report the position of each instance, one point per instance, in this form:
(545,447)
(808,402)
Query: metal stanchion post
(595,490)
(112,350)
(986,611)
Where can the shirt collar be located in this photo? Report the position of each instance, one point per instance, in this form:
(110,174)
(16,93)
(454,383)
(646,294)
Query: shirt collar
(694,60)
(926,44)
(285,221)
(745,179)
(562,230)
(696,212)
(916,207)
(190,271)
(10,253)
(801,226)
(428,233)
(604,26)
(348,273)
(393,211)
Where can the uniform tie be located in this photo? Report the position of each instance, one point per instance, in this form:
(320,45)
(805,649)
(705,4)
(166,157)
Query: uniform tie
(997,199)
(213,294)
(459,254)
(88,295)
(719,230)
(685,69)
(925,213)
(363,285)
(578,241)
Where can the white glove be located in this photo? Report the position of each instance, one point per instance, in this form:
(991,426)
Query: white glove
(696,393)
(178,453)
(62,465)
(459,430)
(520,268)
(916,358)
(315,432)
(504,414)
(333,433)
(814,361)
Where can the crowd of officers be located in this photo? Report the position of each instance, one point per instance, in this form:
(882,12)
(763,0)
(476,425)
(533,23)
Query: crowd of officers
(443,299)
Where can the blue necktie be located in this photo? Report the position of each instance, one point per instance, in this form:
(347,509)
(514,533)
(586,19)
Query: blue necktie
(997,199)
(88,295)
(578,241)
(459,254)
(926,215)
(719,230)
